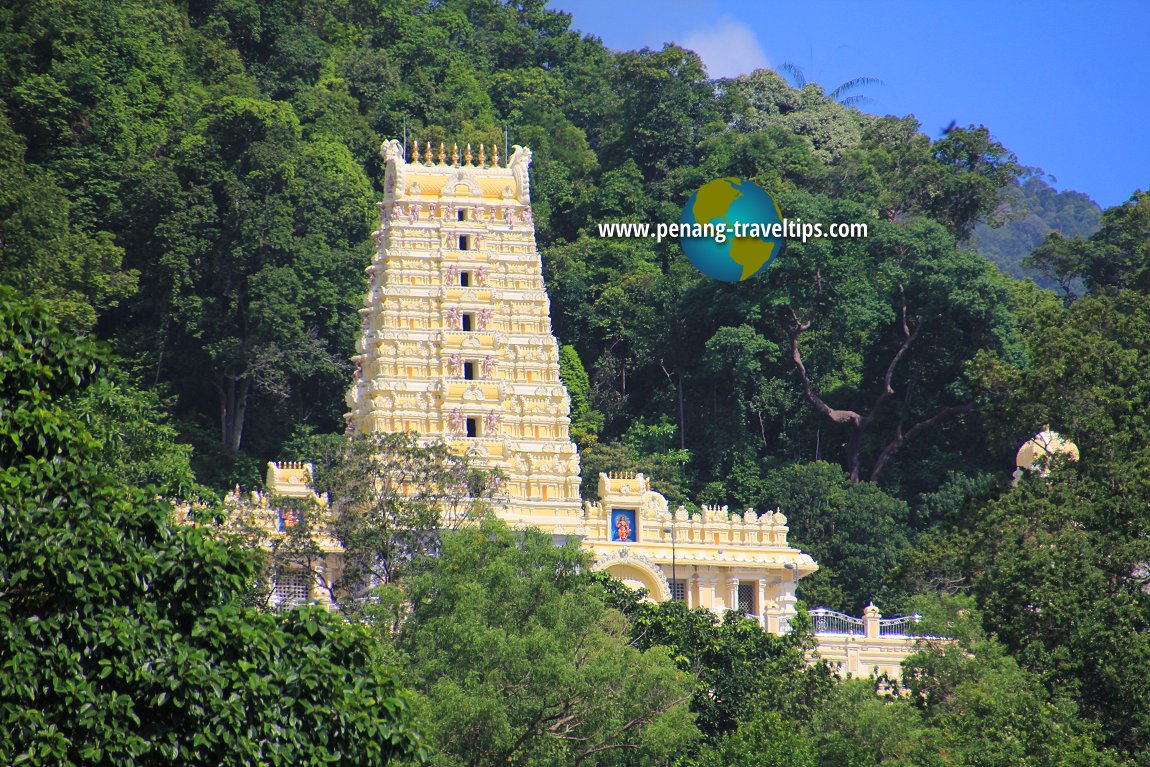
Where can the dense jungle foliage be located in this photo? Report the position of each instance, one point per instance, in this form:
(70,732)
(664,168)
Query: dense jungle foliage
(186,199)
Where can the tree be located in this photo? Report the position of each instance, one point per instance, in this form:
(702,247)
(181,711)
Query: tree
(140,446)
(45,250)
(126,638)
(763,739)
(839,94)
(855,531)
(967,186)
(1115,257)
(941,307)
(94,88)
(958,180)
(1031,212)
(391,498)
(1060,574)
(260,239)
(823,122)
(736,663)
(585,422)
(516,659)
(983,707)
(665,107)
(735,355)
(1087,373)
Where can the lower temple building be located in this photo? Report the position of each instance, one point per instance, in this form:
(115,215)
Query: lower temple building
(456,346)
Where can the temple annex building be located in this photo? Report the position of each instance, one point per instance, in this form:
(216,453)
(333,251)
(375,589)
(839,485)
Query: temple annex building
(456,346)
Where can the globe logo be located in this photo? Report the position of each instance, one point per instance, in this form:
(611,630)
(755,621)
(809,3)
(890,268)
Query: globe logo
(739,225)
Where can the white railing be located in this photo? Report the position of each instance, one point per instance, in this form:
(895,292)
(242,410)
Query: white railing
(830,623)
(898,627)
(827,621)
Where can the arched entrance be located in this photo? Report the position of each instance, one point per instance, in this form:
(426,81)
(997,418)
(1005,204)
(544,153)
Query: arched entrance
(637,572)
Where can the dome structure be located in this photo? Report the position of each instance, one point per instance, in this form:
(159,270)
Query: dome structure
(1043,445)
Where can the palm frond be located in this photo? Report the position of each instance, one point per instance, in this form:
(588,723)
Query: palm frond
(850,85)
(794,74)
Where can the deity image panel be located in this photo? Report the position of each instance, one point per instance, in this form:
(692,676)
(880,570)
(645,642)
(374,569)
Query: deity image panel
(623,525)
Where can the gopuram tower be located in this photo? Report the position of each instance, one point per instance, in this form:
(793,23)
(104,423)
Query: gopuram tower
(456,342)
(456,346)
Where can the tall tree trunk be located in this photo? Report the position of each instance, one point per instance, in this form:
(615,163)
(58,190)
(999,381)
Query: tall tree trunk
(853,449)
(241,408)
(682,410)
(233,394)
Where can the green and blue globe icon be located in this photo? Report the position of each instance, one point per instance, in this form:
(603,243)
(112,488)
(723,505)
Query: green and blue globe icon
(750,226)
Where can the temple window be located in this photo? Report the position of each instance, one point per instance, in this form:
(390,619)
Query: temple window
(465,242)
(472,427)
(468,321)
(291,588)
(464,279)
(747,598)
(678,589)
(469,370)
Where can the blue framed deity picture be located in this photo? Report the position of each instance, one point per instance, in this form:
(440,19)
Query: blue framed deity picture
(623,525)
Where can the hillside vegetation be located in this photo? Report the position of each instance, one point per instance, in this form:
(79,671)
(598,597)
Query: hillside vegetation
(190,186)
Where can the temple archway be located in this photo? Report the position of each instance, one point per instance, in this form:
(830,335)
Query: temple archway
(637,572)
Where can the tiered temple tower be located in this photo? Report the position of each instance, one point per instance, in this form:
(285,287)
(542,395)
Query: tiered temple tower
(456,346)
(456,342)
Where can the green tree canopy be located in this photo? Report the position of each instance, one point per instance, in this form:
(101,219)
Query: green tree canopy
(1115,257)
(126,638)
(517,659)
(255,239)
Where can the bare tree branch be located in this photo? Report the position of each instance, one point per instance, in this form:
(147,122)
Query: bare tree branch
(858,422)
(908,338)
(900,439)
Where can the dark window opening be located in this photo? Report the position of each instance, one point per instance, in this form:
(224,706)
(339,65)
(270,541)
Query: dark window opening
(469,370)
(461,214)
(467,321)
(472,427)
(464,279)
(747,598)
(465,242)
(679,590)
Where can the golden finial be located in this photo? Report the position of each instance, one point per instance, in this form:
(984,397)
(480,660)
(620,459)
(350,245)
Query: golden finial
(429,159)
(467,157)
(482,156)
(495,158)
(455,154)
(442,154)
(415,151)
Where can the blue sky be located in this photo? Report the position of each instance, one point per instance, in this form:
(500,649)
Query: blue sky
(1065,87)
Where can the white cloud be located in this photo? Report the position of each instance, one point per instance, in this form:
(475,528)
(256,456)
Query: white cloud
(728,48)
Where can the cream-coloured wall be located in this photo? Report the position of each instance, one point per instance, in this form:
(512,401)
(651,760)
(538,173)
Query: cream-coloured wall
(712,553)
